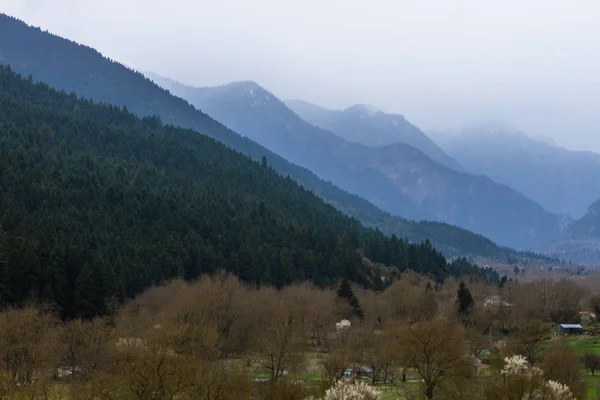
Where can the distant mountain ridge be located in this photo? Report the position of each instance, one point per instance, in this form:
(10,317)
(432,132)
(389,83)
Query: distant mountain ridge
(561,180)
(73,67)
(366,125)
(589,225)
(580,243)
(401,171)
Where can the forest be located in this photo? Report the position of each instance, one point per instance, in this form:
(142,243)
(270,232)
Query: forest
(97,204)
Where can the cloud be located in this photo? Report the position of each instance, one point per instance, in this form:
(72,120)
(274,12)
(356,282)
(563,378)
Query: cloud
(440,63)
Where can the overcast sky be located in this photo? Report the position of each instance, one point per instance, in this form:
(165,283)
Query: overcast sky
(443,64)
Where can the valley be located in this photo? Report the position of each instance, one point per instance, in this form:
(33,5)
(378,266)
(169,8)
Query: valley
(218,240)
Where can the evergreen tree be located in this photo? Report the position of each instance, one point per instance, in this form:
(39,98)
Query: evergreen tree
(503,281)
(345,292)
(464,300)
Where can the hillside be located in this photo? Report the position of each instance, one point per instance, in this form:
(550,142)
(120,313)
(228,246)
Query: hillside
(73,67)
(440,193)
(581,241)
(98,204)
(561,180)
(371,127)
(588,226)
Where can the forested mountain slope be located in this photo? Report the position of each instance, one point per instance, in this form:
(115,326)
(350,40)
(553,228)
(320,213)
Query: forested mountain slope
(402,173)
(97,204)
(73,67)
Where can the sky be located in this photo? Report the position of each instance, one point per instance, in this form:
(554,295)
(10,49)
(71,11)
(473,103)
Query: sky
(443,64)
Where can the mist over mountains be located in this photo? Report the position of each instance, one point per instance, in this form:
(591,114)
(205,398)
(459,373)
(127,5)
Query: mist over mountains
(76,68)
(369,126)
(390,172)
(427,189)
(561,180)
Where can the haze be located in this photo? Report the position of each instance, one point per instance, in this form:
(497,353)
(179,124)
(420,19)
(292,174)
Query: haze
(442,64)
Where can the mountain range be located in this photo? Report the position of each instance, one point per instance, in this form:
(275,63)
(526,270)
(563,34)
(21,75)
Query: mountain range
(398,177)
(369,126)
(560,180)
(98,205)
(581,242)
(403,173)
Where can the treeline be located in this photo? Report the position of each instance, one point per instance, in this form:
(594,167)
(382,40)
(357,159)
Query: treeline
(219,339)
(97,204)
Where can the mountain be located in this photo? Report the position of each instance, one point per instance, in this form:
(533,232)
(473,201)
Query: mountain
(261,117)
(371,127)
(588,226)
(99,204)
(73,67)
(581,241)
(561,180)
(443,194)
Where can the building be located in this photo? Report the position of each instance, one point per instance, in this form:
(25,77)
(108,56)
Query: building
(569,329)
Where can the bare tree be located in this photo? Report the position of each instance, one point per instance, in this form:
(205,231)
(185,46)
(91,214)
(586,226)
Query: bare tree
(529,338)
(437,350)
(27,343)
(83,346)
(561,364)
(276,343)
(591,361)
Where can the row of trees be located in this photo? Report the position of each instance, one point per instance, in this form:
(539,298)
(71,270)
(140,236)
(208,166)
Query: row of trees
(96,205)
(211,339)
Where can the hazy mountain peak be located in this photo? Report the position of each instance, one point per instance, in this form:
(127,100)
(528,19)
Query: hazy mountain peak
(367,125)
(545,139)
(363,109)
(562,181)
(595,208)
(249,86)
(493,129)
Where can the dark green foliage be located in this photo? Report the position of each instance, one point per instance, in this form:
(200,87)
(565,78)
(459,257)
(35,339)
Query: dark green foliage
(345,292)
(464,300)
(76,68)
(503,281)
(109,204)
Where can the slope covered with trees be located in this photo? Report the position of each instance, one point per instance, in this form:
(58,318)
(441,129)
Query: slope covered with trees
(398,178)
(73,67)
(97,204)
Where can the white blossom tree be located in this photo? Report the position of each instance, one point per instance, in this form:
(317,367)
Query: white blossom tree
(345,389)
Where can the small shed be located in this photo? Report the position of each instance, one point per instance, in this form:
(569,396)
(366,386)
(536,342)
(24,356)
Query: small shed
(363,371)
(569,329)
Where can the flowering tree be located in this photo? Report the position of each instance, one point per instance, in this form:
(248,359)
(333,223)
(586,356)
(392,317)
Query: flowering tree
(520,380)
(345,389)
(519,366)
(557,391)
(342,325)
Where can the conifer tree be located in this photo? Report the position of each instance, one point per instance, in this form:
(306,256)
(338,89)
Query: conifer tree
(345,292)
(464,300)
